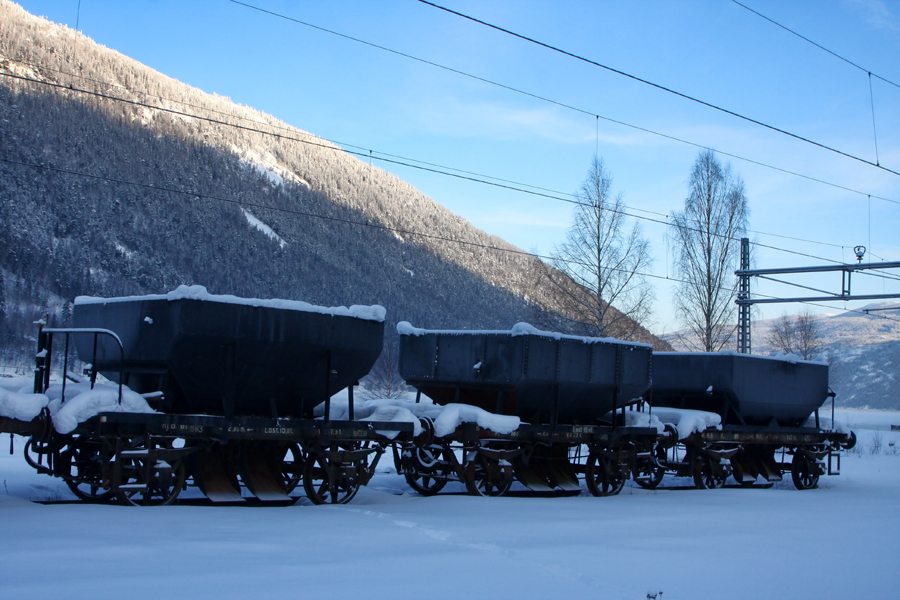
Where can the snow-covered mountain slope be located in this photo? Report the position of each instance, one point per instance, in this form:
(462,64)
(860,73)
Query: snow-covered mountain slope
(117,180)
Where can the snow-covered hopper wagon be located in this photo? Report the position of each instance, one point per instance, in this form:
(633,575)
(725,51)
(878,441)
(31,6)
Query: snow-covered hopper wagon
(744,389)
(564,389)
(765,405)
(539,377)
(234,383)
(228,356)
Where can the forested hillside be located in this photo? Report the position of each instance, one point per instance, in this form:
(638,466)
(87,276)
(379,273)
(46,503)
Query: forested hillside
(144,193)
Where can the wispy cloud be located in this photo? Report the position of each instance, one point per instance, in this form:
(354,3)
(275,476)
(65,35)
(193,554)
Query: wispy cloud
(504,121)
(526,219)
(877,14)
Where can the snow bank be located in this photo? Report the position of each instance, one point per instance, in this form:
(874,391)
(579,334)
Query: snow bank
(82,403)
(826,424)
(19,384)
(640,419)
(198,292)
(687,421)
(405,328)
(454,415)
(446,418)
(22,407)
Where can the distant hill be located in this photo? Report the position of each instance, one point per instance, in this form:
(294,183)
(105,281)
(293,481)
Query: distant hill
(863,350)
(169,185)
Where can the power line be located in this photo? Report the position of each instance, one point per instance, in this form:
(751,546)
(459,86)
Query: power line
(874,130)
(404,158)
(849,62)
(852,310)
(819,46)
(563,104)
(349,145)
(328,146)
(367,223)
(659,87)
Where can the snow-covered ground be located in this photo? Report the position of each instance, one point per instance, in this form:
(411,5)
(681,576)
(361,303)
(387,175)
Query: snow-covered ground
(839,541)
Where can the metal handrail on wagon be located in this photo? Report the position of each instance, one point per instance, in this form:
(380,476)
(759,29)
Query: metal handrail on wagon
(48,347)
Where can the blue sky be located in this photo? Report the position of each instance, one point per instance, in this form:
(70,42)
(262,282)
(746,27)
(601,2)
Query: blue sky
(713,50)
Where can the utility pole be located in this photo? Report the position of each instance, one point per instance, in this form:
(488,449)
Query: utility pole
(743,333)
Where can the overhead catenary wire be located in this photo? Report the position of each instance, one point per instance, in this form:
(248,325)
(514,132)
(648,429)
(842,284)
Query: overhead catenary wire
(329,146)
(431,164)
(564,105)
(345,145)
(874,129)
(381,226)
(291,211)
(819,46)
(367,224)
(661,87)
(868,73)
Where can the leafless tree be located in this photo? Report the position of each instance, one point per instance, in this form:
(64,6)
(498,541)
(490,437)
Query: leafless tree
(596,275)
(797,334)
(706,236)
(384,380)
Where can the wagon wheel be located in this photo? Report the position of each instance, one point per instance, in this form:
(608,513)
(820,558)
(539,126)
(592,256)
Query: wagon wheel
(486,477)
(82,468)
(649,475)
(804,472)
(291,466)
(144,484)
(328,482)
(603,475)
(425,470)
(708,475)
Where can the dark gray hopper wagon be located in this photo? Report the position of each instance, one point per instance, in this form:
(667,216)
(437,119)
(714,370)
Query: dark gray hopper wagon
(541,379)
(744,389)
(227,359)
(240,379)
(764,403)
(562,388)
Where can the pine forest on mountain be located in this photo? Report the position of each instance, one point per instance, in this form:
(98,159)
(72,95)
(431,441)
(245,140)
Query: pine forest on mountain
(109,198)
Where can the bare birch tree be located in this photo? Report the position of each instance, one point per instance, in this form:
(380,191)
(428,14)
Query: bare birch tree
(798,335)
(384,380)
(596,274)
(706,237)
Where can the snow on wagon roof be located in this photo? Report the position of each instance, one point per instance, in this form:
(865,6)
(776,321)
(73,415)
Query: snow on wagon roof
(405,328)
(198,292)
(781,356)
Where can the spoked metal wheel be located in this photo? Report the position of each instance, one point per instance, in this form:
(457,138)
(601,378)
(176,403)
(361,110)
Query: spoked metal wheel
(82,467)
(487,477)
(291,465)
(804,472)
(144,478)
(603,475)
(648,475)
(425,469)
(709,475)
(327,482)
